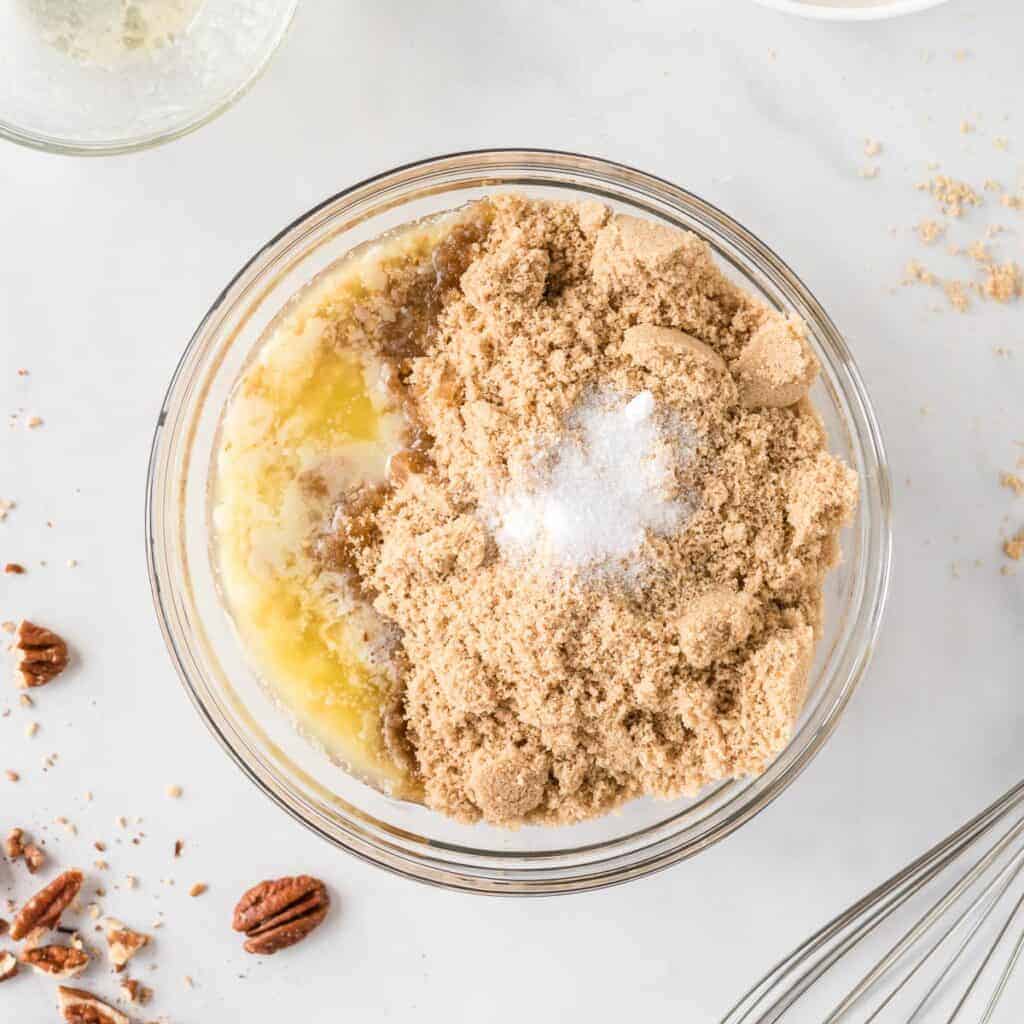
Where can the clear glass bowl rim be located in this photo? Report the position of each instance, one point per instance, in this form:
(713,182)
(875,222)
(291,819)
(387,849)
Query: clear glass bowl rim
(116,147)
(549,873)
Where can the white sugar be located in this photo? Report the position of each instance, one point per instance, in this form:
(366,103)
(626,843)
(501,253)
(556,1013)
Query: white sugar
(609,482)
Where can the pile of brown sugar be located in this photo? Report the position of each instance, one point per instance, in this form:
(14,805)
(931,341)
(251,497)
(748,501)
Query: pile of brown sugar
(534,693)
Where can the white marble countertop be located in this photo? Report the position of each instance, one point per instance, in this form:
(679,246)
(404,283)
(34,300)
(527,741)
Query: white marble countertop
(106,268)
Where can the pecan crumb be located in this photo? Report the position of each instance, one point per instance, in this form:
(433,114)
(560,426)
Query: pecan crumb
(34,858)
(14,845)
(179,845)
(8,965)
(14,569)
(12,776)
(198,889)
(174,792)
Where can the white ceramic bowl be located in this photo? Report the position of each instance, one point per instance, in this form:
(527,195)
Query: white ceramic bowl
(837,10)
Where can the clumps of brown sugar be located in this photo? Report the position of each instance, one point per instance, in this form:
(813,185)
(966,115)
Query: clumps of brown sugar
(541,694)
(952,196)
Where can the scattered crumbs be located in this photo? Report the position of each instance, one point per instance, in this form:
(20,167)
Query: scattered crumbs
(978,251)
(179,845)
(869,172)
(961,55)
(1006,570)
(22,372)
(26,701)
(954,568)
(11,775)
(100,865)
(31,729)
(5,507)
(99,847)
(131,882)
(88,796)
(14,569)
(916,272)
(994,229)
(8,626)
(925,410)
(72,563)
(930,231)
(1001,142)
(1002,351)
(991,185)
(957,295)
(1013,482)
(872,147)
(200,887)
(34,421)
(189,983)
(951,195)
(1014,547)
(1003,282)
(1012,202)
(966,127)
(772,54)
(121,821)
(174,792)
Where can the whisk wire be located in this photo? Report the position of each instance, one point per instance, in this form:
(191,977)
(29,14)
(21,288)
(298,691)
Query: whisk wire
(791,978)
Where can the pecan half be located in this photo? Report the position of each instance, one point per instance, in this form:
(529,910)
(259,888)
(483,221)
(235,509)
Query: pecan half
(80,1007)
(42,655)
(122,942)
(8,965)
(280,912)
(44,909)
(57,961)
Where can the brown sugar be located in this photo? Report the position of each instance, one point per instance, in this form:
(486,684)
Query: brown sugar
(538,689)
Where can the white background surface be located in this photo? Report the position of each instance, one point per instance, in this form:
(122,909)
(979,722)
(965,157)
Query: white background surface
(106,266)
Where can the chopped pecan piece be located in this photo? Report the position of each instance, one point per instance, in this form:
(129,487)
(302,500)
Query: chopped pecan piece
(14,569)
(14,844)
(44,909)
(135,992)
(122,942)
(280,912)
(57,961)
(34,858)
(42,655)
(80,1007)
(8,965)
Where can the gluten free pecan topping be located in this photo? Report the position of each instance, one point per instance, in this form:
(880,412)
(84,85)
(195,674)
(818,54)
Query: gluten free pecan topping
(42,655)
(44,909)
(8,965)
(80,1007)
(57,961)
(123,943)
(280,912)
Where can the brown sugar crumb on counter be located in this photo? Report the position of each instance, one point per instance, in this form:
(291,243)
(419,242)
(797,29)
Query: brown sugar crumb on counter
(1014,546)
(1014,482)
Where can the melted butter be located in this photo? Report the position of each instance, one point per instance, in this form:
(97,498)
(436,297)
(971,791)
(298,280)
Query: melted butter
(307,408)
(295,413)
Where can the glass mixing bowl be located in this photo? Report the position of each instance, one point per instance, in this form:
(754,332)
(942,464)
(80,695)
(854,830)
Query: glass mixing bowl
(407,838)
(97,77)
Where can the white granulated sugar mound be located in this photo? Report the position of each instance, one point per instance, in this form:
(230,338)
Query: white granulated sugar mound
(611,481)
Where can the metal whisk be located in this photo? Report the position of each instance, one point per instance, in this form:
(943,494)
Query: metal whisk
(952,963)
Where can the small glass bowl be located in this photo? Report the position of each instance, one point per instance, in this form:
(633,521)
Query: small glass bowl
(406,838)
(69,85)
